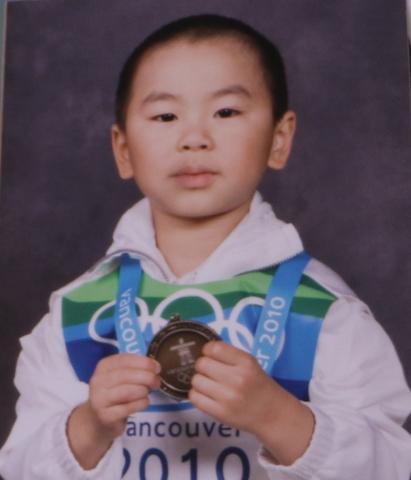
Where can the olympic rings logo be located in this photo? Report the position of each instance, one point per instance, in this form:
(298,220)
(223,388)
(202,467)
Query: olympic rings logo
(237,332)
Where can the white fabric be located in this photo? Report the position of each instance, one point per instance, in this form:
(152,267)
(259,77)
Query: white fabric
(358,392)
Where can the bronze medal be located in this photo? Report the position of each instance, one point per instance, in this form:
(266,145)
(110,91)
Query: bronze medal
(177,347)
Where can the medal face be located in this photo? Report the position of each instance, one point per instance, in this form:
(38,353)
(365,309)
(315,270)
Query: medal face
(177,347)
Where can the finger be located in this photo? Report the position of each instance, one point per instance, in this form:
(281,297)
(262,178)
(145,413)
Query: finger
(206,404)
(125,394)
(127,360)
(225,353)
(144,377)
(114,378)
(218,371)
(120,412)
(210,388)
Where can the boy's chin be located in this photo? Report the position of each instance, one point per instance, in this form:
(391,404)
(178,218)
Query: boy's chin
(195,212)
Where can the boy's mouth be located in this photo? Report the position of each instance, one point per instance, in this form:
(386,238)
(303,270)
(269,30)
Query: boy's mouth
(194,177)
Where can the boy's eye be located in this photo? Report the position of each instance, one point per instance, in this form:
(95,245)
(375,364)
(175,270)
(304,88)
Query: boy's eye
(227,112)
(165,117)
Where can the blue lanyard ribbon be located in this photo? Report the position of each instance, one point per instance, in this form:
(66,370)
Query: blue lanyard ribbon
(270,333)
(129,335)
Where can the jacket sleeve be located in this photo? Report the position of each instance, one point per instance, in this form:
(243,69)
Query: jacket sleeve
(359,398)
(37,447)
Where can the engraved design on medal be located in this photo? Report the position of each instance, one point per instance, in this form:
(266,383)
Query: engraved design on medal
(177,347)
(184,352)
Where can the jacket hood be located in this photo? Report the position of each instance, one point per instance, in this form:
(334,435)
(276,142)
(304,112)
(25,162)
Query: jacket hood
(259,240)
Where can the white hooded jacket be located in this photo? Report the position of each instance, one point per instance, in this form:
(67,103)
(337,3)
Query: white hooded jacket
(358,392)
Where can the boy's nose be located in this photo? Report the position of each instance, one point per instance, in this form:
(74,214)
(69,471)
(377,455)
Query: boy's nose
(195,141)
(195,146)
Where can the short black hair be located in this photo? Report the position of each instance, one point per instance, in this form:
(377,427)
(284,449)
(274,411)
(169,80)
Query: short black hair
(200,27)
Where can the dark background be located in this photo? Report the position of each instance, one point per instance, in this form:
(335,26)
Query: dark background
(347,187)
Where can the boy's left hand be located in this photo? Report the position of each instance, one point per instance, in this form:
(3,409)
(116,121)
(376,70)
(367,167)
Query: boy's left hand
(230,386)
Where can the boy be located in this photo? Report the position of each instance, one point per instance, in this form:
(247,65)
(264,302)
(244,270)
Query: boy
(201,113)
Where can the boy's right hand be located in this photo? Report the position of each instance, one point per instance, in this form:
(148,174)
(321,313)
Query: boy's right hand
(118,388)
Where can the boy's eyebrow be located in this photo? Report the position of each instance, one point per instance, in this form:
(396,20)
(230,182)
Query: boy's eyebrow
(157,96)
(230,90)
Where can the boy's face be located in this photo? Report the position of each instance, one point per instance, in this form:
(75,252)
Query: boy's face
(199,129)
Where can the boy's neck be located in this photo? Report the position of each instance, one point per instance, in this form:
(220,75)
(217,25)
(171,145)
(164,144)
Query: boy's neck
(187,243)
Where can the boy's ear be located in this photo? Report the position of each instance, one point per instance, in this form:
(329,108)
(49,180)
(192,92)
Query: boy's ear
(282,141)
(121,153)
